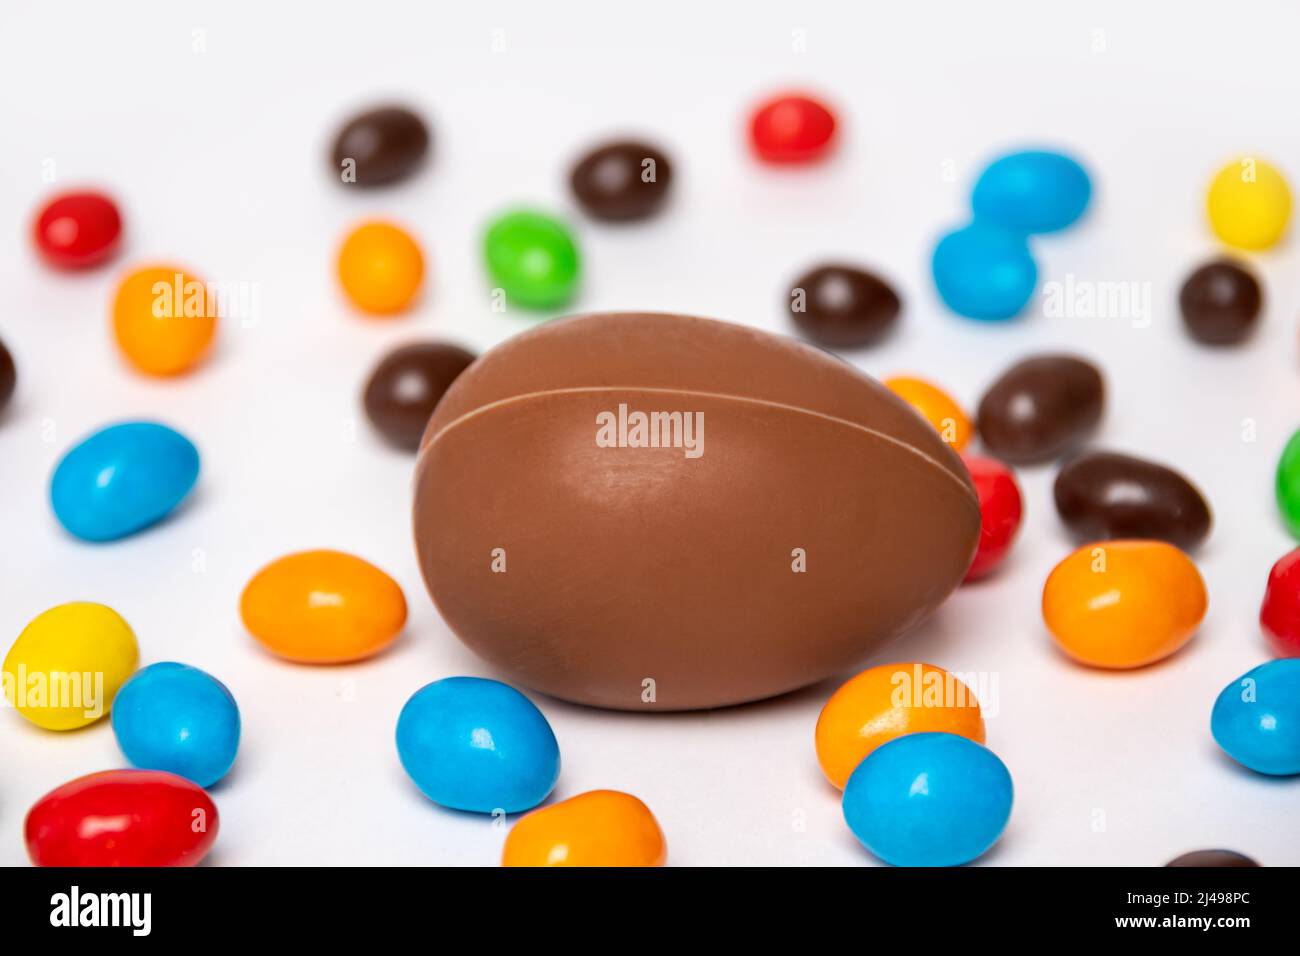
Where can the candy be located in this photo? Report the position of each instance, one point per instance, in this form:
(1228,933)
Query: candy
(1212,858)
(67,665)
(78,230)
(8,376)
(479,745)
(886,702)
(122,818)
(1249,204)
(792,128)
(532,258)
(323,607)
(1106,495)
(1220,303)
(929,799)
(122,479)
(843,307)
(1287,484)
(578,474)
(1033,191)
(1279,615)
(1000,510)
(177,718)
(164,319)
(598,828)
(404,388)
(983,271)
(380,146)
(936,406)
(622,181)
(1256,718)
(1040,408)
(381,268)
(1123,604)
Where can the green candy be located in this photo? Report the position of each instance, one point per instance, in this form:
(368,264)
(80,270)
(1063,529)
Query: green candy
(1288,484)
(533,258)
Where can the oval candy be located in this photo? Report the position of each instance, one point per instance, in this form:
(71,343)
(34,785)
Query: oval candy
(886,702)
(406,386)
(1033,191)
(670,571)
(380,146)
(122,818)
(1212,858)
(1001,508)
(533,259)
(1102,495)
(1279,615)
(177,718)
(622,181)
(984,271)
(929,799)
(1256,718)
(1220,303)
(381,268)
(792,128)
(840,306)
(64,670)
(164,319)
(597,828)
(78,230)
(1040,408)
(1123,604)
(323,607)
(1287,484)
(1249,204)
(122,479)
(936,406)
(478,745)
(8,376)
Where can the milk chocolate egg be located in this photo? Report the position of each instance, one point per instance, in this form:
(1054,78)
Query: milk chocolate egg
(659,512)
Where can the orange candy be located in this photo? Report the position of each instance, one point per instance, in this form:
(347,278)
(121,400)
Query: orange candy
(1123,604)
(381,268)
(164,319)
(937,407)
(598,828)
(323,607)
(886,702)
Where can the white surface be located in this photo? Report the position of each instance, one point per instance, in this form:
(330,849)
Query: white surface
(218,159)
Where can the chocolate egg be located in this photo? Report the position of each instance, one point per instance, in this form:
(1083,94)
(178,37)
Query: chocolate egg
(659,512)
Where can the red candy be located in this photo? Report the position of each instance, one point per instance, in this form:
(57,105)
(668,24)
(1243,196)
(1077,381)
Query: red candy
(792,129)
(1000,510)
(122,818)
(1280,614)
(78,230)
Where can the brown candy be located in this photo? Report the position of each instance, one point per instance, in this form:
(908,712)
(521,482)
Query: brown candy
(658,512)
(1103,495)
(380,146)
(1216,858)
(406,385)
(1041,408)
(8,376)
(622,181)
(1220,303)
(842,307)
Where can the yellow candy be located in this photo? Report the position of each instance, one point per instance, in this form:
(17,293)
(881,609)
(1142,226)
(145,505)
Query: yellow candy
(1249,204)
(68,664)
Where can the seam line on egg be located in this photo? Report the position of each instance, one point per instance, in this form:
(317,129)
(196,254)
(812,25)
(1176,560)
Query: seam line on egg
(582,390)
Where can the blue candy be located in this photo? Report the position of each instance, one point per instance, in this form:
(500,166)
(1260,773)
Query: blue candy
(928,799)
(1032,192)
(122,479)
(984,271)
(476,744)
(177,718)
(1256,718)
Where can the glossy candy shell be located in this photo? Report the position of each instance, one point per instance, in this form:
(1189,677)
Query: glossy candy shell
(984,272)
(1256,718)
(598,828)
(1001,507)
(1034,191)
(78,230)
(1279,615)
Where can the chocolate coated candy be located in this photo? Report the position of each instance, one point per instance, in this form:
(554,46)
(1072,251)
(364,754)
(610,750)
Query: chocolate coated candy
(1216,858)
(407,384)
(1103,495)
(8,376)
(622,181)
(843,307)
(603,511)
(1220,303)
(385,144)
(1040,408)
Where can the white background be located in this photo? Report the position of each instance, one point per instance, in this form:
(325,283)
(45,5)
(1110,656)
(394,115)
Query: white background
(218,157)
